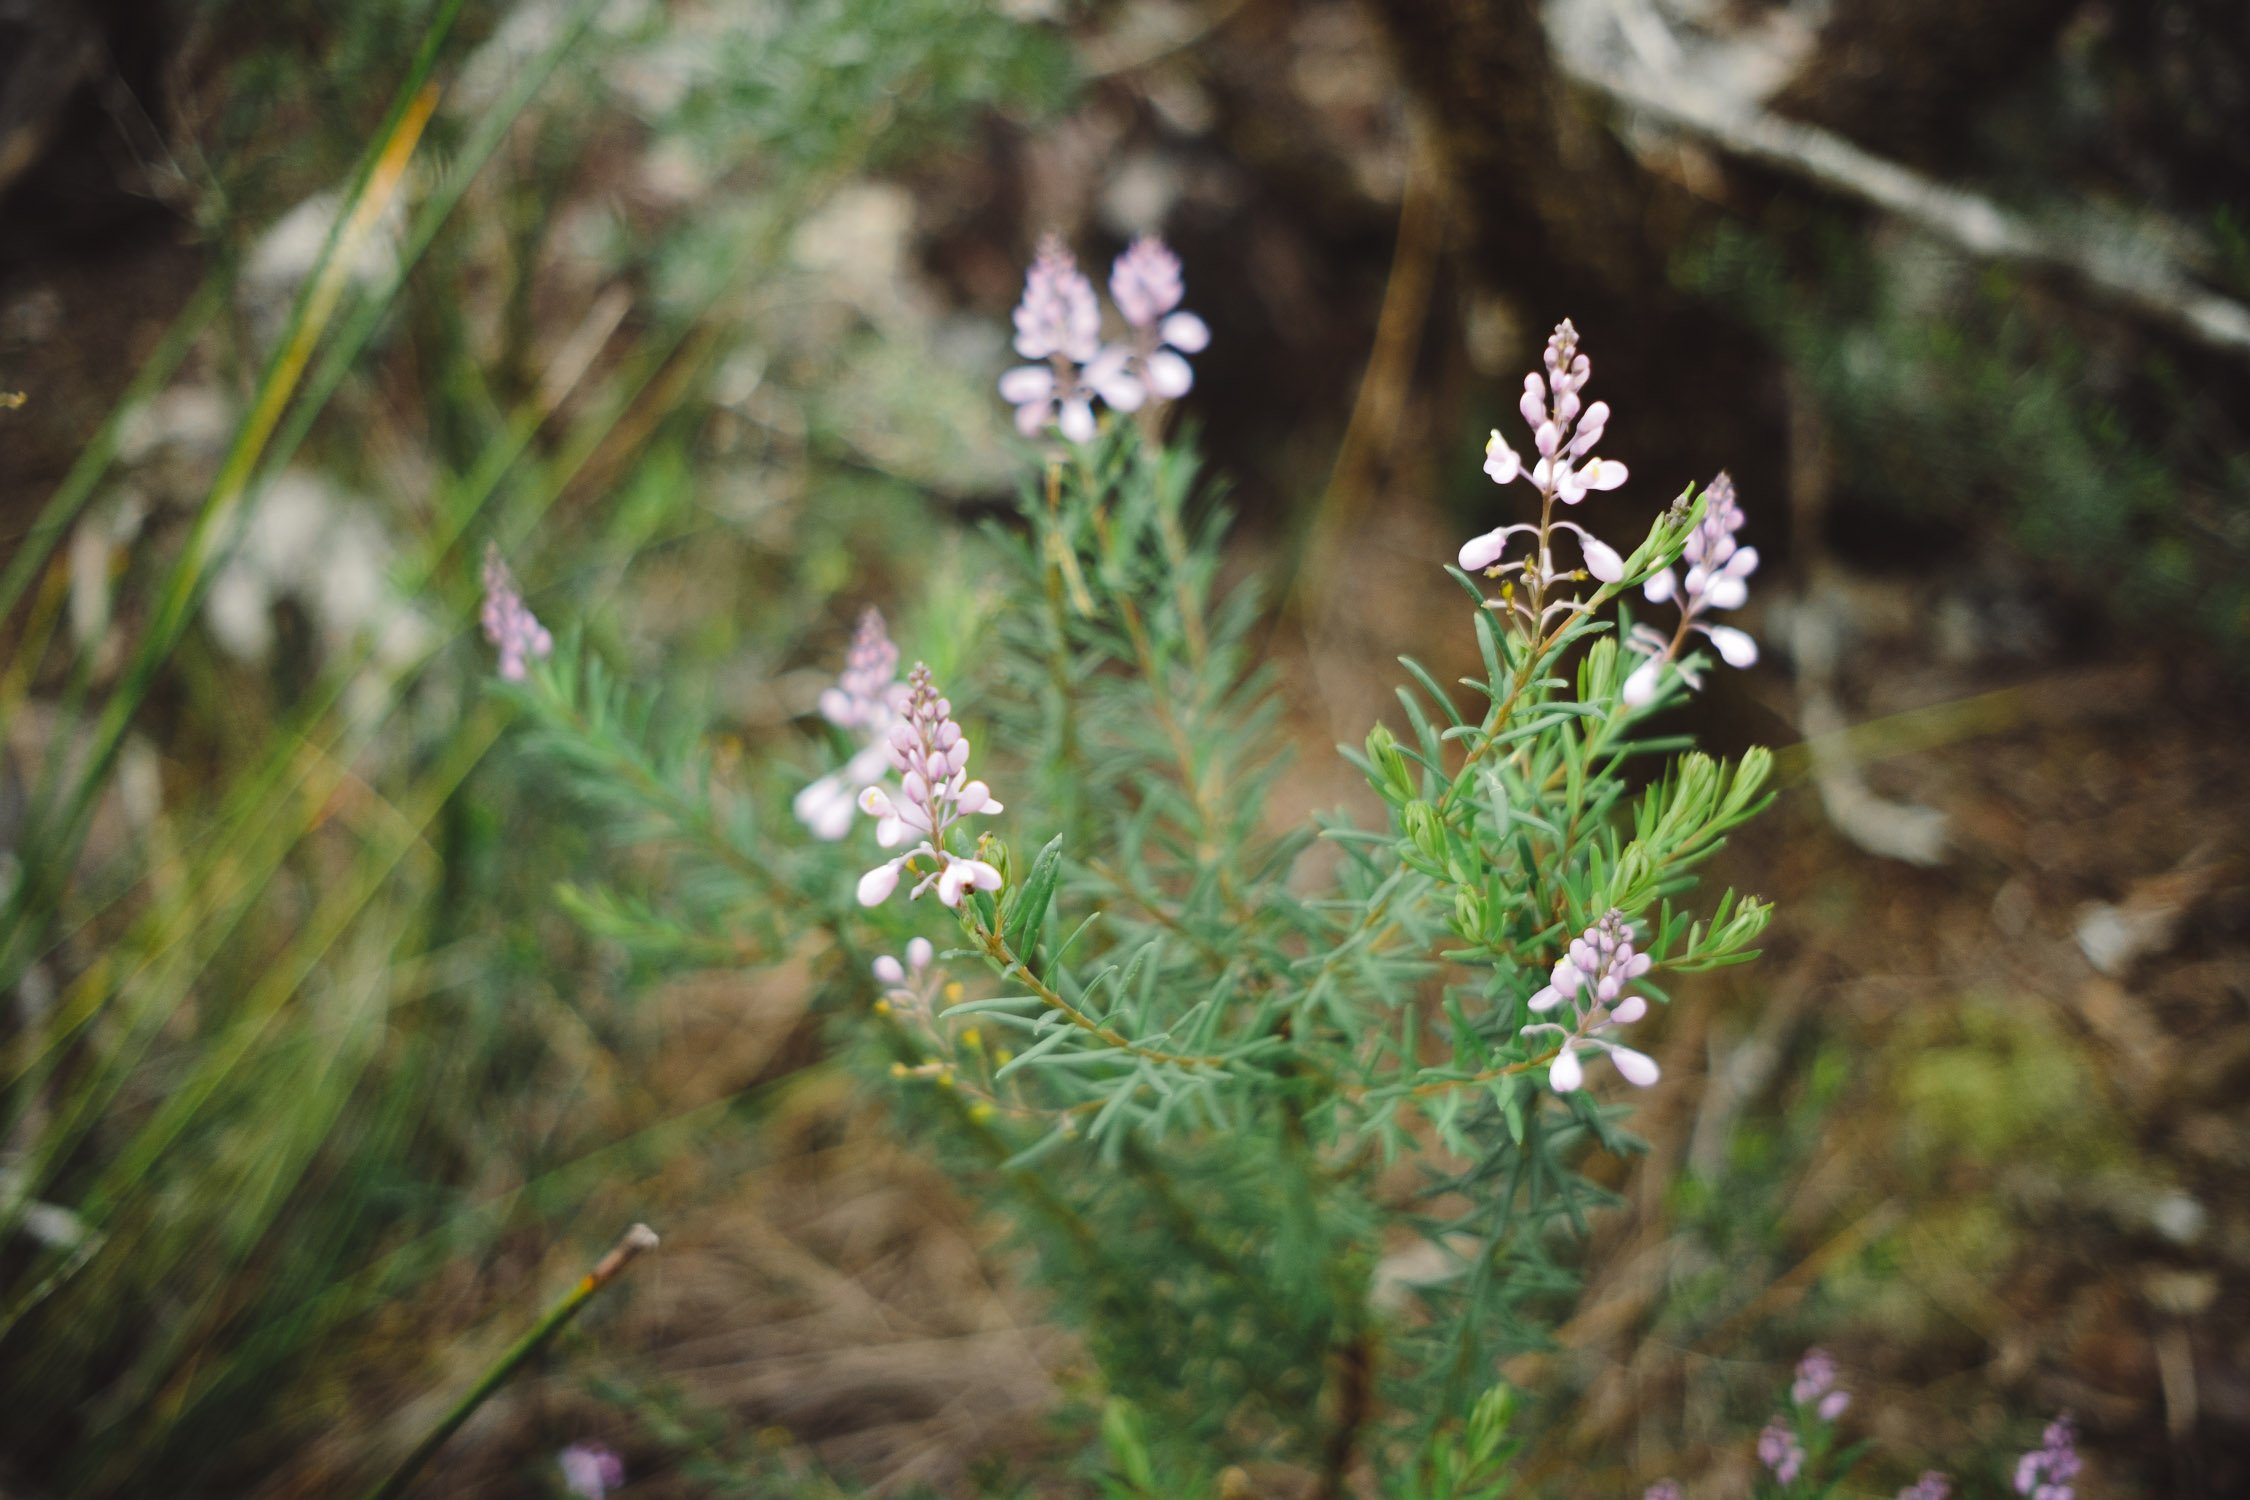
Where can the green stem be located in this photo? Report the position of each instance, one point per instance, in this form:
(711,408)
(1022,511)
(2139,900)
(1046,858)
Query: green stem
(1009,963)
(636,1239)
(1064,766)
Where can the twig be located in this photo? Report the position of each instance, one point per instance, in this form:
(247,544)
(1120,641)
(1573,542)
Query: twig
(635,1240)
(996,948)
(1373,431)
(2150,283)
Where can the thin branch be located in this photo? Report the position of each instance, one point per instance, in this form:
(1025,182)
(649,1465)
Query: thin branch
(996,948)
(635,1240)
(2148,282)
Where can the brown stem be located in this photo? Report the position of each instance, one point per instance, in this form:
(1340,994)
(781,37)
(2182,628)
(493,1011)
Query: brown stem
(1355,1405)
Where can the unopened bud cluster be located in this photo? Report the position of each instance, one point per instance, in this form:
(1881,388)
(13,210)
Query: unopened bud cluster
(1590,979)
(508,623)
(910,988)
(1793,1446)
(1717,570)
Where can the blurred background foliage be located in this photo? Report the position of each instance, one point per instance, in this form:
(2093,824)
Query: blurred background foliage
(313,1092)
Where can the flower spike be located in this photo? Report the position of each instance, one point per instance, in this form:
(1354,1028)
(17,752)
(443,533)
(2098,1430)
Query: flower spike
(508,623)
(866,702)
(1716,578)
(931,755)
(1591,978)
(1146,286)
(1564,432)
(1059,321)
(2048,1471)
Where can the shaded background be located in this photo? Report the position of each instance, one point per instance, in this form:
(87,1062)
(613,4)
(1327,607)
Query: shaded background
(330,1092)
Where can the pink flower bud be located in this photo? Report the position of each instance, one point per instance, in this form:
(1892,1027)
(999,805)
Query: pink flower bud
(1482,552)
(1186,332)
(876,885)
(1735,646)
(1602,560)
(1635,1068)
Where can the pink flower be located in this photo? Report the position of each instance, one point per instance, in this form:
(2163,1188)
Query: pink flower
(1716,574)
(1816,1373)
(1717,565)
(508,624)
(1591,977)
(1145,284)
(868,694)
(1563,434)
(931,755)
(909,988)
(865,702)
(1663,1489)
(2047,1471)
(1060,322)
(590,1470)
(1058,313)
(1779,1450)
(1931,1486)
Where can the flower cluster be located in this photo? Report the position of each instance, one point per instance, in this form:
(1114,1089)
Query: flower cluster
(590,1470)
(1815,1386)
(1779,1451)
(866,702)
(2046,1472)
(1663,1489)
(508,623)
(1564,432)
(909,988)
(931,755)
(1817,1400)
(1717,569)
(1592,977)
(1931,1486)
(1059,322)
(1146,286)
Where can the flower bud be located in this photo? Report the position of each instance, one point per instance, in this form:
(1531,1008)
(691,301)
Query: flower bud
(1396,778)
(1425,834)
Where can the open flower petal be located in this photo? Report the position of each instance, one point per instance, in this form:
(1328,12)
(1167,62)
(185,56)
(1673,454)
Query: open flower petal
(1567,1073)
(1500,460)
